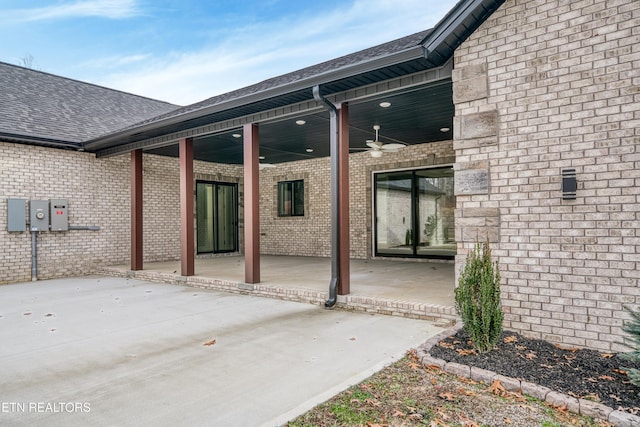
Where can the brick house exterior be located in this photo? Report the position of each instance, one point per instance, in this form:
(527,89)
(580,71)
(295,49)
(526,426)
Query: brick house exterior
(556,85)
(538,87)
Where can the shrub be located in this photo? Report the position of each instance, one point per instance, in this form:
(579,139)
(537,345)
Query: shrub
(633,328)
(478,298)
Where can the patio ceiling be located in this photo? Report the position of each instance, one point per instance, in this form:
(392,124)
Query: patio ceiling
(414,117)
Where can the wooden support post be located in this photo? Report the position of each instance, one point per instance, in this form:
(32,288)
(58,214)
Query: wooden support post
(187,256)
(251,205)
(136,210)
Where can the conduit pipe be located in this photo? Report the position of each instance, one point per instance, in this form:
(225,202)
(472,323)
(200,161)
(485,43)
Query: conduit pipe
(34,256)
(335,232)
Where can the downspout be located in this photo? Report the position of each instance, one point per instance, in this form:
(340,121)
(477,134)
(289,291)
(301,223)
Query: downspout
(335,232)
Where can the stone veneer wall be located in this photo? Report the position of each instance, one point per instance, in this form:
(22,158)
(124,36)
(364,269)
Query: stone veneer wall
(97,191)
(311,235)
(539,87)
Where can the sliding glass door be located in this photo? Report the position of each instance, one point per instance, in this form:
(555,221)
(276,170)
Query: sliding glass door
(414,213)
(216,217)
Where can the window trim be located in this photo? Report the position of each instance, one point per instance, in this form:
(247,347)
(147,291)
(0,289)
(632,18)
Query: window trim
(279,203)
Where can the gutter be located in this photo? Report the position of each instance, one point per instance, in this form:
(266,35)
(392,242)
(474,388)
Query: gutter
(37,140)
(335,231)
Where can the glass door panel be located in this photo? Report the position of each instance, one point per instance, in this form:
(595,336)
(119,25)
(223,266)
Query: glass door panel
(435,219)
(414,213)
(216,217)
(394,214)
(204,217)
(225,218)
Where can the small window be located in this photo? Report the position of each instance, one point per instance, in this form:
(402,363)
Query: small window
(291,198)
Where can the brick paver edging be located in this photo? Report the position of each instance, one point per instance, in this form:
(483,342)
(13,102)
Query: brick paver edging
(577,406)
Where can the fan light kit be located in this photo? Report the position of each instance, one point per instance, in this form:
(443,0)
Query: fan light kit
(376,148)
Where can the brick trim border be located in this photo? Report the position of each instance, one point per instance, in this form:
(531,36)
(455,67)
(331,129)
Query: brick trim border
(577,406)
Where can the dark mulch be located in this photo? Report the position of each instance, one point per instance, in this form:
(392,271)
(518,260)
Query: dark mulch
(581,373)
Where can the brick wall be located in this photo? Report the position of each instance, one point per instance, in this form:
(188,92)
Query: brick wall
(542,86)
(97,191)
(311,234)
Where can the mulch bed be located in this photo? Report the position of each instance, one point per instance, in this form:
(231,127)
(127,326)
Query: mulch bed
(580,373)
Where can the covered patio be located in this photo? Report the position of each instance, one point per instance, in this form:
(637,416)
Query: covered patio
(422,290)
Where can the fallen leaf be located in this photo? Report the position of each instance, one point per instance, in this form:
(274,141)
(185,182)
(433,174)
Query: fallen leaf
(398,414)
(497,388)
(530,356)
(438,423)
(27,313)
(447,396)
(372,402)
(510,339)
(508,421)
(606,377)
(49,315)
(352,339)
(415,366)
(620,371)
(607,355)
(464,352)
(210,343)
(446,345)
(416,417)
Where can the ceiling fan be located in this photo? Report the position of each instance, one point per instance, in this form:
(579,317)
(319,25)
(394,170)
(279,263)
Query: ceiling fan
(376,147)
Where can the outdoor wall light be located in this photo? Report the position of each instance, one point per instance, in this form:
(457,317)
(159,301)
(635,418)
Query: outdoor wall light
(569,184)
(261,157)
(309,150)
(300,122)
(445,129)
(236,135)
(385,104)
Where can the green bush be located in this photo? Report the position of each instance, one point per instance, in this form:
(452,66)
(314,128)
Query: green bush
(478,298)
(633,328)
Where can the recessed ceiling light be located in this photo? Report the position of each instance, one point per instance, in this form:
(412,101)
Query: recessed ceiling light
(309,150)
(261,157)
(236,135)
(300,122)
(385,104)
(445,129)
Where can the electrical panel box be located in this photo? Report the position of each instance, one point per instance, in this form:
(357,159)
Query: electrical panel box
(16,218)
(39,215)
(59,214)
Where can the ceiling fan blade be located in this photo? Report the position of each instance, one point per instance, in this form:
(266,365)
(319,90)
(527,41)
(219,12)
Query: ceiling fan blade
(374,144)
(392,146)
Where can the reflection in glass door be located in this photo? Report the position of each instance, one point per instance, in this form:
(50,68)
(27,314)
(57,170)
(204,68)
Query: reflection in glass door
(216,217)
(394,213)
(414,213)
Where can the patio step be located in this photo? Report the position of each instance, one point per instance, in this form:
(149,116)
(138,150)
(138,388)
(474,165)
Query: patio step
(441,314)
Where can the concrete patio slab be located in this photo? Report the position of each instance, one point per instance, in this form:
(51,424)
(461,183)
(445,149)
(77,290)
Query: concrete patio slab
(115,351)
(422,290)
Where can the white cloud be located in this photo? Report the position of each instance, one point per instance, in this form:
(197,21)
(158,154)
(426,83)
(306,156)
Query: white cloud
(251,54)
(112,9)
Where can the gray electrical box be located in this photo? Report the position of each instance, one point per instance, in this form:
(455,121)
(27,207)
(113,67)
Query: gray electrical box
(59,214)
(39,215)
(16,215)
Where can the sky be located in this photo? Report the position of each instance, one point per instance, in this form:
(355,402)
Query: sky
(184,51)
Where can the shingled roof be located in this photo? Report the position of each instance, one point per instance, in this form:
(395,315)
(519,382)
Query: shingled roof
(38,107)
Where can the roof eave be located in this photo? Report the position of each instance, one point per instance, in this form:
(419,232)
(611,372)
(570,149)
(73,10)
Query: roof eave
(305,83)
(465,17)
(41,141)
